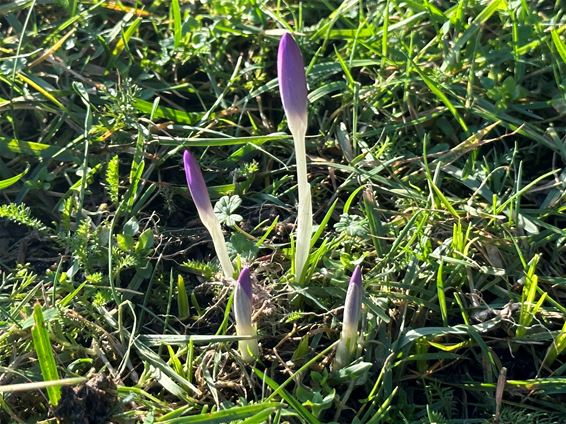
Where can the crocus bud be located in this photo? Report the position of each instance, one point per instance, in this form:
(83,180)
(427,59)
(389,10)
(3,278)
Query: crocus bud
(196,184)
(249,349)
(199,193)
(292,82)
(293,89)
(352,310)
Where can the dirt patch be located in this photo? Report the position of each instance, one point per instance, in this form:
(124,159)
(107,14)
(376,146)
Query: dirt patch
(88,403)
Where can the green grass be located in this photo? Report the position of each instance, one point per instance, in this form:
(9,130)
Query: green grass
(436,160)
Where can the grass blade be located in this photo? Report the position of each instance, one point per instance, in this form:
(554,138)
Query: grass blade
(44,352)
(13,180)
(227,415)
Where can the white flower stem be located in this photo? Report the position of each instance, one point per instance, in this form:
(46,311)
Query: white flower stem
(304,213)
(346,347)
(249,349)
(213,226)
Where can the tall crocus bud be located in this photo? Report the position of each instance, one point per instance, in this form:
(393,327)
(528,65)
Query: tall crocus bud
(292,82)
(249,349)
(200,196)
(293,89)
(352,310)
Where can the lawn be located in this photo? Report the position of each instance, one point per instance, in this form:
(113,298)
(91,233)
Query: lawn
(436,157)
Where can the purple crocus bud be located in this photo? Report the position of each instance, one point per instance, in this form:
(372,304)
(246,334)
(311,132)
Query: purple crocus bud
(352,310)
(196,184)
(292,82)
(249,349)
(200,196)
(293,88)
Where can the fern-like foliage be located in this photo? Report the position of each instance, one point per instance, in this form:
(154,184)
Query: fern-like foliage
(67,208)
(81,244)
(21,214)
(434,417)
(521,416)
(122,260)
(113,179)
(87,246)
(441,398)
(201,268)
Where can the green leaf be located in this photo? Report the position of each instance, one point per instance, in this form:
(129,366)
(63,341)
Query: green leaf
(489,10)
(181,340)
(44,351)
(440,294)
(176,13)
(353,225)
(125,242)
(165,375)
(145,241)
(13,180)
(433,86)
(559,44)
(354,371)
(32,148)
(243,246)
(123,41)
(163,112)
(287,397)
(227,415)
(224,210)
(223,141)
(182,298)
(302,349)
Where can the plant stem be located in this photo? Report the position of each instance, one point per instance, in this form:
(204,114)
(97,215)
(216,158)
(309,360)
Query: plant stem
(213,227)
(304,218)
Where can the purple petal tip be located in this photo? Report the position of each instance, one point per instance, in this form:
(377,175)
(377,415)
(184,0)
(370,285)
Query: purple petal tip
(353,302)
(196,183)
(356,276)
(292,79)
(245,281)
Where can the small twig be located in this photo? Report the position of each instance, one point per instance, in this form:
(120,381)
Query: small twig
(499,393)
